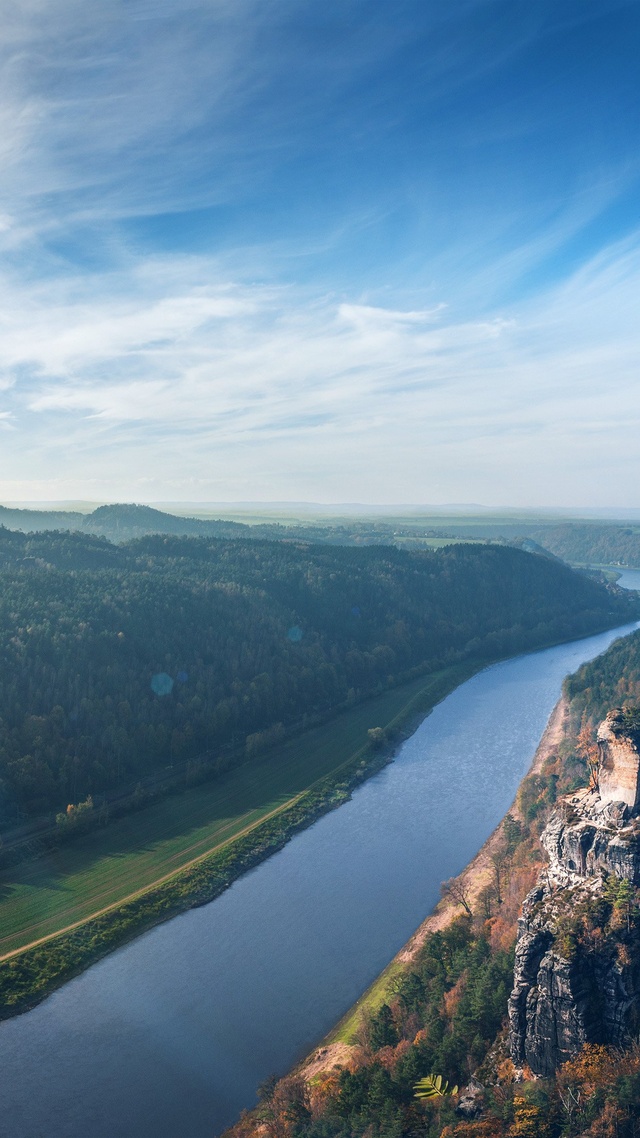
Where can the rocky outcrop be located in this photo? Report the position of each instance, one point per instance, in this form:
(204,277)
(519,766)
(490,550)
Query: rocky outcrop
(471,1100)
(577,967)
(619,774)
(587,837)
(566,994)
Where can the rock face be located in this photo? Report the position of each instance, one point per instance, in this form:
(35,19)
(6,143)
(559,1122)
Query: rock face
(588,838)
(563,999)
(577,967)
(619,777)
(471,1100)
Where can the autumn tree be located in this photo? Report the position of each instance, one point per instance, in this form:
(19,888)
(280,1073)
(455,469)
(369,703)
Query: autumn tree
(456,890)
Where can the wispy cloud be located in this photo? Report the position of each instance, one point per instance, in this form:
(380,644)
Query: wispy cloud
(195,376)
(398,287)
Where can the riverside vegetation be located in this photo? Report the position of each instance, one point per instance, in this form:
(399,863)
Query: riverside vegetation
(445,1012)
(261,640)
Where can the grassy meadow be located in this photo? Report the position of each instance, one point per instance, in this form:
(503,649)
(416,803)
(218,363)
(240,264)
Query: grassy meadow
(42,897)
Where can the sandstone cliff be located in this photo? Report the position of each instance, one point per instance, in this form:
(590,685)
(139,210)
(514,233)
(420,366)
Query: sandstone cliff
(577,968)
(619,770)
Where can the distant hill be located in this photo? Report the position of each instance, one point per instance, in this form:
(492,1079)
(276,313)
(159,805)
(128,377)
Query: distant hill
(592,544)
(588,543)
(122,522)
(118,522)
(30,521)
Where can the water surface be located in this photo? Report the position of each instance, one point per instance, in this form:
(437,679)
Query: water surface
(170,1036)
(629,578)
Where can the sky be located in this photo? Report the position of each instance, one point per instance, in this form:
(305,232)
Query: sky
(357,251)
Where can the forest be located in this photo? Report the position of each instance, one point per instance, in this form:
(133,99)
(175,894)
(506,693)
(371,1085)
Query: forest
(119,660)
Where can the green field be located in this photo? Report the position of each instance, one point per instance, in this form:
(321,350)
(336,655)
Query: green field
(438,542)
(41,897)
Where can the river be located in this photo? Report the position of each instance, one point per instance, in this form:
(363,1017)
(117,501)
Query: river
(628,578)
(170,1036)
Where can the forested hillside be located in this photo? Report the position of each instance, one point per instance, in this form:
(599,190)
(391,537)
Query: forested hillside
(611,680)
(119,660)
(122,522)
(592,544)
(125,521)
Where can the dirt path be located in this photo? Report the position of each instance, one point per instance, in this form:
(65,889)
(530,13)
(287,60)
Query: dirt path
(474,878)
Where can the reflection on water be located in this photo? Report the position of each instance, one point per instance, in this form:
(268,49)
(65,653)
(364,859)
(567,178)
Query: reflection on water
(169,1037)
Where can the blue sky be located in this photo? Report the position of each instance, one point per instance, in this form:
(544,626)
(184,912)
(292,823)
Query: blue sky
(356,251)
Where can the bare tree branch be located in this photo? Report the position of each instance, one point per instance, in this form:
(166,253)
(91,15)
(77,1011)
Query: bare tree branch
(455,890)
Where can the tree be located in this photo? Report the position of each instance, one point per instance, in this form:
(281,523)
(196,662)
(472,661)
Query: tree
(500,859)
(377,737)
(589,750)
(455,890)
(486,897)
(284,1106)
(513,832)
(625,901)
